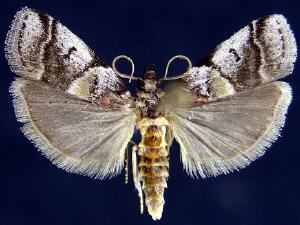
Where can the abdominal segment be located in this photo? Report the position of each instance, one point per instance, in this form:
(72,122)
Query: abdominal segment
(153,167)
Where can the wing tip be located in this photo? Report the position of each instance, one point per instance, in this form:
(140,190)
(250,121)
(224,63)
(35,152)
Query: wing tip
(11,43)
(289,40)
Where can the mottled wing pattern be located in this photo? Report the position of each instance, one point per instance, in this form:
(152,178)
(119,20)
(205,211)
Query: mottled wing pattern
(261,52)
(233,113)
(74,107)
(229,133)
(40,48)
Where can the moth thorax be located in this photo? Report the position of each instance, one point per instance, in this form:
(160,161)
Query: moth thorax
(150,85)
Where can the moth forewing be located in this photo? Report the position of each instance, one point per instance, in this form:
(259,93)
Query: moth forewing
(262,52)
(40,48)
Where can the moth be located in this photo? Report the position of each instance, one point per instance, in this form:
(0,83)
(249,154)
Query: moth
(224,112)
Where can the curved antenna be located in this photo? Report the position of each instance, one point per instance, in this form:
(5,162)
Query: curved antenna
(130,77)
(182,57)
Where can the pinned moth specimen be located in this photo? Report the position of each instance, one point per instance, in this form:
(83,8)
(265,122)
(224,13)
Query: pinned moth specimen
(224,112)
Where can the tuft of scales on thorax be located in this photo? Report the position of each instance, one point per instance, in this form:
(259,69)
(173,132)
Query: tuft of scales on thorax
(148,98)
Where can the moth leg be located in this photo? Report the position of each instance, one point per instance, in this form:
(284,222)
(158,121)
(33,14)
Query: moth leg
(132,142)
(136,178)
(126,166)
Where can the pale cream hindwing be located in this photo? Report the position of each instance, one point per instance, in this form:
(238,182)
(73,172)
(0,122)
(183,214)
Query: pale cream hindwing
(75,134)
(262,52)
(229,133)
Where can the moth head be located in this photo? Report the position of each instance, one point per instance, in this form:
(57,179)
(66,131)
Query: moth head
(149,72)
(150,81)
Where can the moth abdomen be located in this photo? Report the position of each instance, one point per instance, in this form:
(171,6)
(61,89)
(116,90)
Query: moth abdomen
(153,173)
(154,163)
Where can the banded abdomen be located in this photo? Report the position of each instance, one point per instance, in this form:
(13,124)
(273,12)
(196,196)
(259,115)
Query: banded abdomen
(154,163)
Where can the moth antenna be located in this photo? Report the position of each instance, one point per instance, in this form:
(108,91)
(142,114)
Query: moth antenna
(182,57)
(130,77)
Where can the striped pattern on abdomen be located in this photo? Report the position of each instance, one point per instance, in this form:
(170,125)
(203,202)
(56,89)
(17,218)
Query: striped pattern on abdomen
(153,152)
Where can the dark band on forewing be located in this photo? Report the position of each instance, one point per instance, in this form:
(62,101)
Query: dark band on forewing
(270,63)
(59,74)
(256,48)
(39,47)
(248,73)
(20,41)
(261,52)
